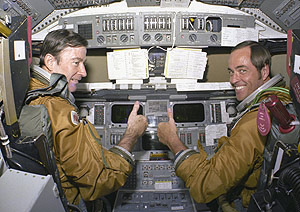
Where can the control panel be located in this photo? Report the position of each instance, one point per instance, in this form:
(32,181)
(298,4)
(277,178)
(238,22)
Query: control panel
(206,29)
(153,175)
(107,30)
(58,4)
(154,28)
(285,13)
(275,14)
(132,200)
(200,118)
(157,28)
(36,9)
(235,3)
(195,121)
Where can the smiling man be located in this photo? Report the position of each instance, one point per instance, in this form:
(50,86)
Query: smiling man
(249,68)
(64,55)
(232,174)
(87,171)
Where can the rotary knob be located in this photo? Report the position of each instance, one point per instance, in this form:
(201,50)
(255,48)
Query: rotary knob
(158,37)
(214,38)
(124,38)
(193,37)
(146,37)
(100,39)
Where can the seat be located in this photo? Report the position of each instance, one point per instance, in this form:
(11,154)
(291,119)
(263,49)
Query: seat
(32,152)
(279,184)
(25,131)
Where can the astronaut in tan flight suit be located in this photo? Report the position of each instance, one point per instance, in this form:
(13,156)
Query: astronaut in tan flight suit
(235,167)
(87,170)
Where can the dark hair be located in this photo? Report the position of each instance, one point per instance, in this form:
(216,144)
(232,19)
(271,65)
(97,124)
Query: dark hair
(58,40)
(260,55)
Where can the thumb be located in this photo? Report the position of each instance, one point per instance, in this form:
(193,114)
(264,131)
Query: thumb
(135,109)
(170,114)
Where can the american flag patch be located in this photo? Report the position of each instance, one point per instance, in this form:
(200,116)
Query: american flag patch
(74,118)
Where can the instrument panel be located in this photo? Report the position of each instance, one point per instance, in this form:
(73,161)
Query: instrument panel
(274,14)
(200,118)
(154,28)
(193,120)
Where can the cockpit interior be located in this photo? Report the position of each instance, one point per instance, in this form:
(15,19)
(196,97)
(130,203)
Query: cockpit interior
(164,54)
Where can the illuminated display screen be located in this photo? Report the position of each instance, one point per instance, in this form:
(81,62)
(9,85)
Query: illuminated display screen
(188,113)
(120,113)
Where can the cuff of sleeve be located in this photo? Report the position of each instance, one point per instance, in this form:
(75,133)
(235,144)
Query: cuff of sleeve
(181,156)
(123,153)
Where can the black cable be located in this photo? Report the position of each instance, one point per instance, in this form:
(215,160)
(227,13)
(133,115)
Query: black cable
(28,157)
(291,177)
(12,163)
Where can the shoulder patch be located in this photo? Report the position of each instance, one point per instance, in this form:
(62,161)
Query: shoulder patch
(74,117)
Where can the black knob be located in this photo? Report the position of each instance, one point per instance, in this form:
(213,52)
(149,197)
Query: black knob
(124,38)
(193,37)
(158,37)
(100,39)
(146,37)
(214,38)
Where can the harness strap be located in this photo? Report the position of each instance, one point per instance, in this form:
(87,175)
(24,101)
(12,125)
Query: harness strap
(58,86)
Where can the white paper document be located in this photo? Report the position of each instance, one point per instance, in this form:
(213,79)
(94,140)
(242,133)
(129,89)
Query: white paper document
(297,64)
(203,86)
(174,3)
(231,36)
(19,49)
(185,63)
(128,64)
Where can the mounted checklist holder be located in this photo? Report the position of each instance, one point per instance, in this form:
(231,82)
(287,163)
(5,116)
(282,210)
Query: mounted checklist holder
(184,63)
(129,64)
(185,66)
(231,36)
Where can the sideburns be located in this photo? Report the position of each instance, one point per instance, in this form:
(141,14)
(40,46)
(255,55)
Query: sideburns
(57,59)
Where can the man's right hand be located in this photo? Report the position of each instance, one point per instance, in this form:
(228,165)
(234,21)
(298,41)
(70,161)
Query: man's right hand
(167,131)
(167,134)
(136,126)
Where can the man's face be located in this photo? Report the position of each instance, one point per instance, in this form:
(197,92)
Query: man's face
(71,64)
(244,76)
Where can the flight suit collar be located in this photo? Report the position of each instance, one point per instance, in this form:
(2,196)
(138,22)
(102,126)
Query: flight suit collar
(46,78)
